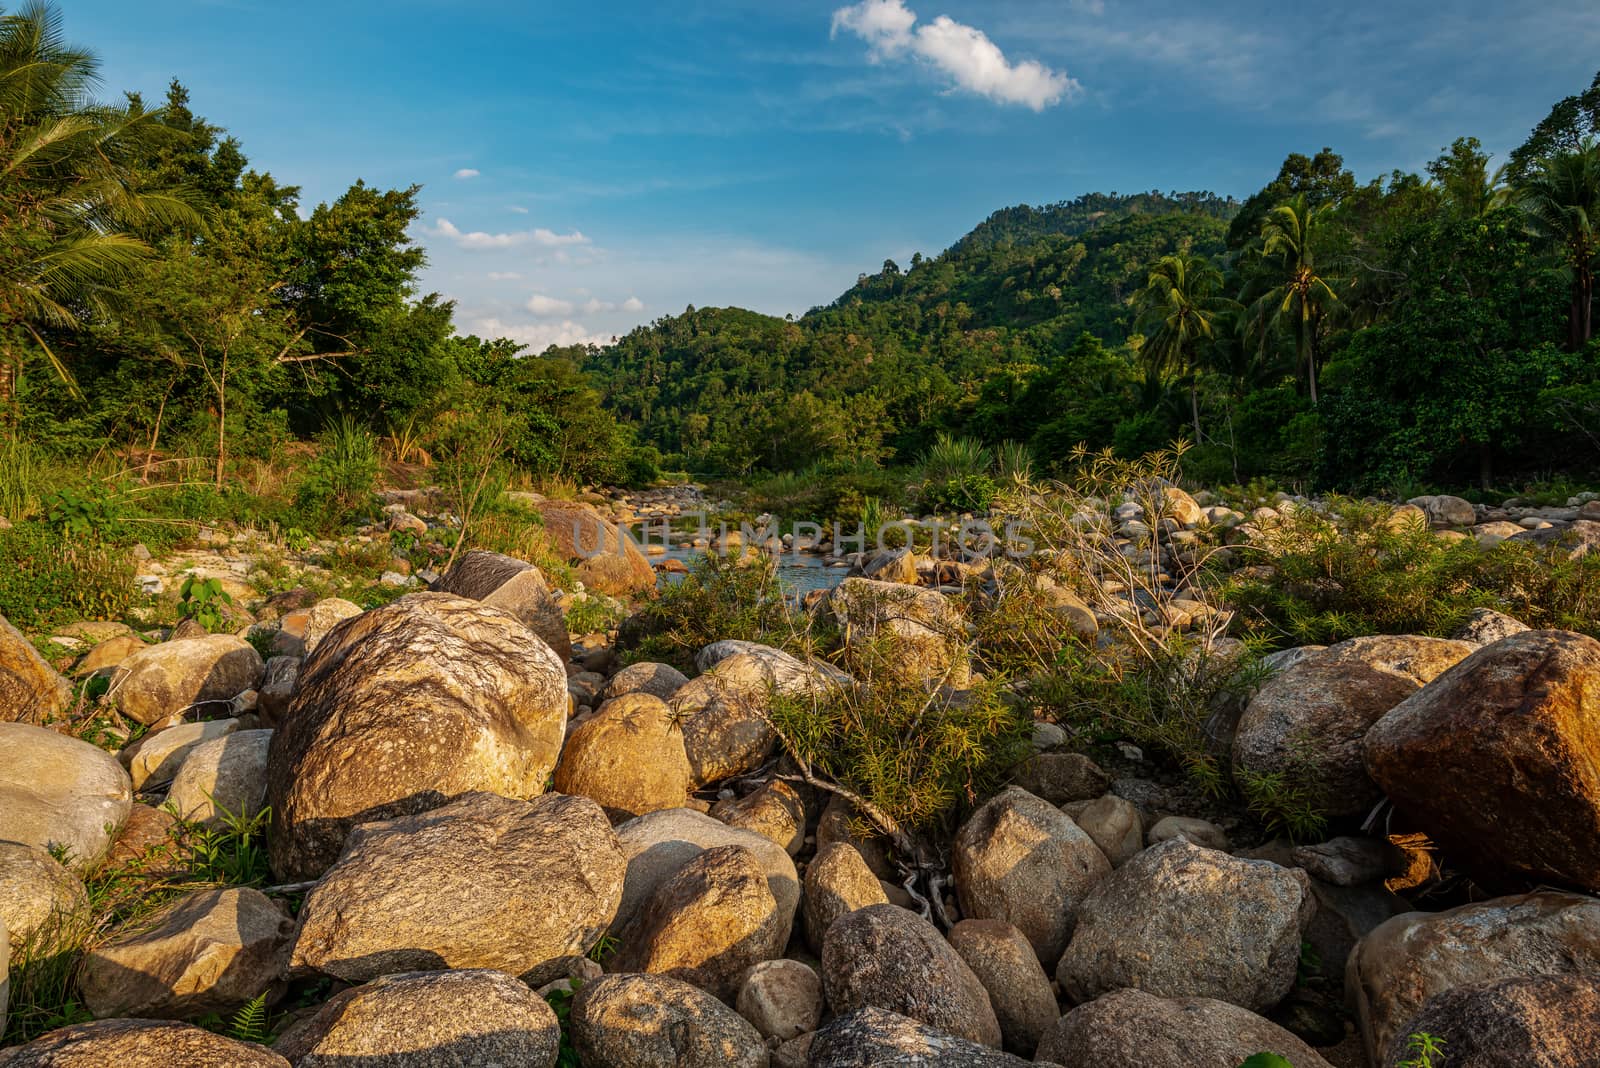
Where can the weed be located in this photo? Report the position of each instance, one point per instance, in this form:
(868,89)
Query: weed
(1266,1060)
(343,478)
(592,614)
(560,1001)
(48,578)
(1423,1048)
(202,600)
(233,853)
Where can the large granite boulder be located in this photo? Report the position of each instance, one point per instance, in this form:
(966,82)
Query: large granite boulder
(653,1021)
(723,714)
(628,757)
(483,882)
(1544,1021)
(223,779)
(517,587)
(156,757)
(923,627)
(31,691)
(1019,990)
(607,558)
(400,709)
(138,1044)
(1498,759)
(877,1038)
(56,791)
(184,675)
(41,902)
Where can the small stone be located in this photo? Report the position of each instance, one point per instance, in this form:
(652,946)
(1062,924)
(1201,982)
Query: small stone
(837,882)
(1200,832)
(781,998)
(223,779)
(1114,825)
(1343,861)
(652,1021)
(1004,962)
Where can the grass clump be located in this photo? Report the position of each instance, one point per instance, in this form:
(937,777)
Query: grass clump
(48,577)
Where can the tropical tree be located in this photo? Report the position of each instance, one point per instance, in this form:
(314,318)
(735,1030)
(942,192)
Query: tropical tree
(1299,297)
(1179,309)
(1562,204)
(69,197)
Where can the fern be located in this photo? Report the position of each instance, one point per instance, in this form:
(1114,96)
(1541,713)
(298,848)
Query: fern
(250,1024)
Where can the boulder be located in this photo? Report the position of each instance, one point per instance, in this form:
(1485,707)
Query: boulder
(302,631)
(402,708)
(138,1044)
(706,924)
(1004,962)
(1176,504)
(1182,921)
(887,957)
(1547,1021)
(840,822)
(774,811)
(513,585)
(837,881)
(1344,861)
(1022,860)
(607,557)
(1446,511)
(278,684)
(30,689)
(223,779)
(483,882)
(1113,824)
(210,951)
(41,902)
(1404,962)
(924,629)
(782,999)
(1309,720)
(628,756)
(657,680)
(723,714)
(1200,832)
(178,676)
(108,655)
(792,674)
(1135,1029)
(658,844)
(1498,760)
(652,1021)
(146,838)
(877,1038)
(1485,626)
(1061,778)
(441,1019)
(157,756)
(58,791)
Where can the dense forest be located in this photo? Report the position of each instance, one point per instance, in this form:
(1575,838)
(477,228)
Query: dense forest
(163,300)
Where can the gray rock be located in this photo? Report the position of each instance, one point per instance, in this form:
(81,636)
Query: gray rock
(223,778)
(41,902)
(157,756)
(1343,861)
(278,684)
(138,1044)
(652,1021)
(876,1038)
(657,680)
(513,585)
(1547,1021)
(179,675)
(1200,832)
(1114,825)
(1004,962)
(781,998)
(1061,777)
(1485,626)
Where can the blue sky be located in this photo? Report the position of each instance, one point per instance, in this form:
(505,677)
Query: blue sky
(587,167)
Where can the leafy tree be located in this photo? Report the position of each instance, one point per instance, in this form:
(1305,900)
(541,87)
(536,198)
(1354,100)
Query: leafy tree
(1573,120)
(1299,296)
(1562,203)
(1462,172)
(1180,307)
(1321,179)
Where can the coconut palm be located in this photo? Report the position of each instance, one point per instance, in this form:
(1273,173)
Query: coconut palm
(1299,297)
(1562,203)
(1179,310)
(71,212)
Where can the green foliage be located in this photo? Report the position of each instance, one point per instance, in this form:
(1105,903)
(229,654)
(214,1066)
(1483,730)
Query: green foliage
(47,578)
(342,480)
(1266,1060)
(560,1001)
(721,597)
(202,600)
(592,614)
(81,515)
(1423,1048)
(252,1023)
(969,493)
(233,853)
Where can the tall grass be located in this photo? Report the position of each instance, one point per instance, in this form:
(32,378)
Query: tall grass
(951,459)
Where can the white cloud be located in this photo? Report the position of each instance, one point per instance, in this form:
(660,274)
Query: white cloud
(963,53)
(518,209)
(595,305)
(1089,7)
(505,276)
(633,304)
(478,239)
(466,172)
(547,307)
(539,336)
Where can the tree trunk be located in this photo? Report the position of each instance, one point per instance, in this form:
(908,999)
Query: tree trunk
(1485,465)
(1194,410)
(222,421)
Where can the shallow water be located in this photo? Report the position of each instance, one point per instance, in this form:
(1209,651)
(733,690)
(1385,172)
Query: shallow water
(800,572)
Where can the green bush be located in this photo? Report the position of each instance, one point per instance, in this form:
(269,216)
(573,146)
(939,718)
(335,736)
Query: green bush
(48,578)
(343,479)
(969,493)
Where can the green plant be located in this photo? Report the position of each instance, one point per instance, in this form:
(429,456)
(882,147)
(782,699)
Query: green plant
(950,458)
(721,597)
(605,947)
(966,493)
(560,1001)
(48,578)
(592,614)
(232,852)
(1424,1048)
(90,514)
(252,1023)
(343,478)
(1266,1060)
(203,600)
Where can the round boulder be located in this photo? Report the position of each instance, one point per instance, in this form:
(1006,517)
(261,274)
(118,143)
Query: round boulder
(877,1038)
(774,811)
(652,1021)
(837,881)
(223,779)
(1546,1021)
(781,998)
(1004,962)
(30,689)
(514,585)
(403,707)
(138,1044)
(58,791)
(657,680)
(176,676)
(628,757)
(40,901)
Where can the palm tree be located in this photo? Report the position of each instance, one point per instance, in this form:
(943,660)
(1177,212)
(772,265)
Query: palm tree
(1179,308)
(70,209)
(1562,202)
(1299,297)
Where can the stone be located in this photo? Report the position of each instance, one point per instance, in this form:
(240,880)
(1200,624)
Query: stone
(320,620)
(837,881)
(652,1021)
(607,557)
(515,586)
(222,779)
(1113,824)
(791,673)
(706,923)
(1129,1028)
(184,675)
(138,1044)
(440,1019)
(887,957)
(1200,832)
(1344,861)
(1309,720)
(1446,511)
(1404,962)
(157,756)
(1060,778)
(628,756)
(209,951)
(922,625)
(31,691)
(841,823)
(107,656)
(775,811)
(795,1053)
(877,1038)
(782,999)
(5,977)
(402,708)
(58,791)
(723,715)
(41,902)
(278,682)
(483,882)
(1182,921)
(1547,1021)
(657,680)
(1177,504)
(658,844)
(1022,860)
(1005,963)
(1498,760)
(146,838)
(1485,626)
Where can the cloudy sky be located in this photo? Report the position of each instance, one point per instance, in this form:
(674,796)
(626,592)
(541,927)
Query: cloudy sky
(588,167)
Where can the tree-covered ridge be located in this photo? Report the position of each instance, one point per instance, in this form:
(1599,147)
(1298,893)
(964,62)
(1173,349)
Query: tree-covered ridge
(1069,218)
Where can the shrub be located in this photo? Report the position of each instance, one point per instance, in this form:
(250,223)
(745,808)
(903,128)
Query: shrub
(950,458)
(202,600)
(343,478)
(48,578)
(969,493)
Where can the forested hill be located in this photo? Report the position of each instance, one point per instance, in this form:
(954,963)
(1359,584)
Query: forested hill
(904,352)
